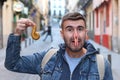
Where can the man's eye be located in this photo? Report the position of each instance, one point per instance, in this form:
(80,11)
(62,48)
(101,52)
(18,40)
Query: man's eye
(69,29)
(81,29)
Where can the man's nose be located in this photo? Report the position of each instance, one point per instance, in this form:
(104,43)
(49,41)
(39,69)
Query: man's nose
(75,34)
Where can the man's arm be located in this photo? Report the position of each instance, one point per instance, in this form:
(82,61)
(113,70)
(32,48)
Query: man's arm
(12,51)
(15,62)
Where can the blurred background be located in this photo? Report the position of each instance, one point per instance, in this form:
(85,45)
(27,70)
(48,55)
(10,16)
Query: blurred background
(103,23)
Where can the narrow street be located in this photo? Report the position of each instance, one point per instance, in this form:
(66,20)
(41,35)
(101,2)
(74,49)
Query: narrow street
(39,45)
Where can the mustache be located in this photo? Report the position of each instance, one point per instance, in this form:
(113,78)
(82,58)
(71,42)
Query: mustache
(72,39)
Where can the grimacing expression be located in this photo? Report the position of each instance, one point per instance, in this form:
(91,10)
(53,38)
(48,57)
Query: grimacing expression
(74,34)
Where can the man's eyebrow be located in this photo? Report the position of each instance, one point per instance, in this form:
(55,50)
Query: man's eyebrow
(81,26)
(68,27)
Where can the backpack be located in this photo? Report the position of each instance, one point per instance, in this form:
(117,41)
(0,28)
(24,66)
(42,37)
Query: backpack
(99,59)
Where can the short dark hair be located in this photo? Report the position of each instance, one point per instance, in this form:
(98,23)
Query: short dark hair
(73,16)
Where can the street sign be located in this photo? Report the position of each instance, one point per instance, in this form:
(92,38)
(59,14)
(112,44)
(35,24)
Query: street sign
(18,6)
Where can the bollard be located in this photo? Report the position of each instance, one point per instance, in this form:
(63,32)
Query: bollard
(98,49)
(32,41)
(109,58)
(29,41)
(25,43)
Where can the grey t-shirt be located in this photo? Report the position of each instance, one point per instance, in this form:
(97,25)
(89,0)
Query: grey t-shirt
(73,62)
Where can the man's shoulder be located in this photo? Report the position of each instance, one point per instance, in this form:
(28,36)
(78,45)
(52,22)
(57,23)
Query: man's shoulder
(50,51)
(49,56)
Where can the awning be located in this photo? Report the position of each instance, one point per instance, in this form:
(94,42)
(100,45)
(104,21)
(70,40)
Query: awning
(97,3)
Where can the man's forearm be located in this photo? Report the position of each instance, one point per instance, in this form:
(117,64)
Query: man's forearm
(12,51)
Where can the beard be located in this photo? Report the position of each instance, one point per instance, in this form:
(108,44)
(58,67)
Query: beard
(70,46)
(74,50)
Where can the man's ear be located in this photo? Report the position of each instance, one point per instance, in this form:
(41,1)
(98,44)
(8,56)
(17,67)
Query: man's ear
(61,32)
(86,31)
(87,37)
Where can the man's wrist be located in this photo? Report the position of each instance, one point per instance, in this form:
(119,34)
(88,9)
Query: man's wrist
(15,34)
(14,38)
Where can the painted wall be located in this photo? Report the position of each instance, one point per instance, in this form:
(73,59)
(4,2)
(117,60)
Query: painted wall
(7,20)
(116,26)
(90,21)
(103,23)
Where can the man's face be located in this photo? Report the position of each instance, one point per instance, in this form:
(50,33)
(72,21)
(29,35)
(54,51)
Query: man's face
(74,34)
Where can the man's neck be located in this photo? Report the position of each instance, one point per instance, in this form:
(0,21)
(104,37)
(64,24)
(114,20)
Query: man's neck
(76,54)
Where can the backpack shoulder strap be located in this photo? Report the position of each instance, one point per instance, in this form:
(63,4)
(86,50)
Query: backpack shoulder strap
(47,57)
(101,66)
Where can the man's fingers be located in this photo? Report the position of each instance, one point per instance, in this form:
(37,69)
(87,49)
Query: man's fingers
(22,24)
(27,22)
(30,23)
(19,30)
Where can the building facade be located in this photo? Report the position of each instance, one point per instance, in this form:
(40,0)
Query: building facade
(1,26)
(57,8)
(7,20)
(9,17)
(89,13)
(103,22)
(104,16)
(115,25)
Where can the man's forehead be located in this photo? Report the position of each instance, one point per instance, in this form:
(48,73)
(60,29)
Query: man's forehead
(74,22)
